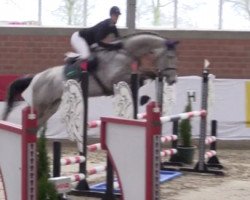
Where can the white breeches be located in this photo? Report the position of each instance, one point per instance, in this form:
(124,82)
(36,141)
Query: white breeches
(80,45)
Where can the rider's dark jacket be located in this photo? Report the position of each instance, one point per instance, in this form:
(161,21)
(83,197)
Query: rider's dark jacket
(100,31)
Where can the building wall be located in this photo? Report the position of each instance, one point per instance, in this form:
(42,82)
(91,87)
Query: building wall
(26,50)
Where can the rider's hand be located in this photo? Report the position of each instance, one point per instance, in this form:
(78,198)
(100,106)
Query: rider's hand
(116,46)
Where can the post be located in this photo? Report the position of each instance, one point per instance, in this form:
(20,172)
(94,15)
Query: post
(56,159)
(134,89)
(154,132)
(203,123)
(29,139)
(159,91)
(214,161)
(131,17)
(213,133)
(83,185)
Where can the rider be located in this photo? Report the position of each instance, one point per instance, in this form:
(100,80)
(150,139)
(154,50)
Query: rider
(102,34)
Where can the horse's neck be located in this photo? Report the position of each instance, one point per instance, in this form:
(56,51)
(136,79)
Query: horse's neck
(140,44)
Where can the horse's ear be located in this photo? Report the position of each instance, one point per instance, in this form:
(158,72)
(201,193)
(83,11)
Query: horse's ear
(171,44)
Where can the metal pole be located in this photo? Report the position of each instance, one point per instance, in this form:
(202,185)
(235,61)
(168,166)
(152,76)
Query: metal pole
(134,89)
(83,185)
(56,159)
(40,12)
(213,133)
(175,132)
(159,91)
(203,123)
(85,12)
(220,24)
(131,16)
(175,13)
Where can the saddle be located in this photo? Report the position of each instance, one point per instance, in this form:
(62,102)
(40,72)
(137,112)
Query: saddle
(74,62)
(75,65)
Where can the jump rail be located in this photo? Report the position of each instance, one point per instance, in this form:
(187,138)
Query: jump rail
(18,163)
(143,140)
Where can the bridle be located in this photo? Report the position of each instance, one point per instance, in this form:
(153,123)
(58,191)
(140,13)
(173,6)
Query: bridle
(170,55)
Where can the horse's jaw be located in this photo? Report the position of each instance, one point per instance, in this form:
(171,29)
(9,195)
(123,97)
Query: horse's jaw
(171,77)
(172,81)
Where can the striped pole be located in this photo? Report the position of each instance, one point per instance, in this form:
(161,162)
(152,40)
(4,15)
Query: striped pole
(168,152)
(77,177)
(94,124)
(94,147)
(72,160)
(210,139)
(164,139)
(181,116)
(96,170)
(168,138)
(141,116)
(210,154)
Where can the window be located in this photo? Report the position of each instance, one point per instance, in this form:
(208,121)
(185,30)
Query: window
(198,14)
(236,16)
(156,14)
(19,12)
(80,13)
(150,14)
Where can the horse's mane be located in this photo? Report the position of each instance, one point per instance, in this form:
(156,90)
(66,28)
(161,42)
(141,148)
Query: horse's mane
(141,33)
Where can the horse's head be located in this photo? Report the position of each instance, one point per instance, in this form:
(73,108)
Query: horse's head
(166,62)
(156,56)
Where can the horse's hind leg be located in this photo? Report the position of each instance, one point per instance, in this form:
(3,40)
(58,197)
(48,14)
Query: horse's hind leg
(46,111)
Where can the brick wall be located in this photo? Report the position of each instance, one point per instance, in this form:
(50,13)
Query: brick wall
(25,52)
(229,58)
(32,49)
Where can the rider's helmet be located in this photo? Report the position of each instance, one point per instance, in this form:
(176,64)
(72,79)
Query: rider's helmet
(114,11)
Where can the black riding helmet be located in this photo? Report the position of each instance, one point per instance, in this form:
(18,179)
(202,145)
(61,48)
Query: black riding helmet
(114,11)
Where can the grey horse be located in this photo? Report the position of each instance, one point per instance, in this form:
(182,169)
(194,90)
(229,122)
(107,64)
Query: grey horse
(155,56)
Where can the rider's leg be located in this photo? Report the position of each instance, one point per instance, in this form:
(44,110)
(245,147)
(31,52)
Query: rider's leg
(80,45)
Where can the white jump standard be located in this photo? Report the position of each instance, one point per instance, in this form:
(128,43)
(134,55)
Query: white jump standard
(18,160)
(141,159)
(202,166)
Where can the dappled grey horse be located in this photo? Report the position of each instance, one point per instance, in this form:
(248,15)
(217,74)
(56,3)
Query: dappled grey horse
(155,56)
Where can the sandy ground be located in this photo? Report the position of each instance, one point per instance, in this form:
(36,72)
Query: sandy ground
(235,185)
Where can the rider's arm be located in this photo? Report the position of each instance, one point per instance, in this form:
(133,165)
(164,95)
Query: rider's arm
(103,32)
(116,32)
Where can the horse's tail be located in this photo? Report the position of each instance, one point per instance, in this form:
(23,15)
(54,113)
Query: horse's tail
(13,93)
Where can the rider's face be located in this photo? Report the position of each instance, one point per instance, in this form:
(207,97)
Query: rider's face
(114,18)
